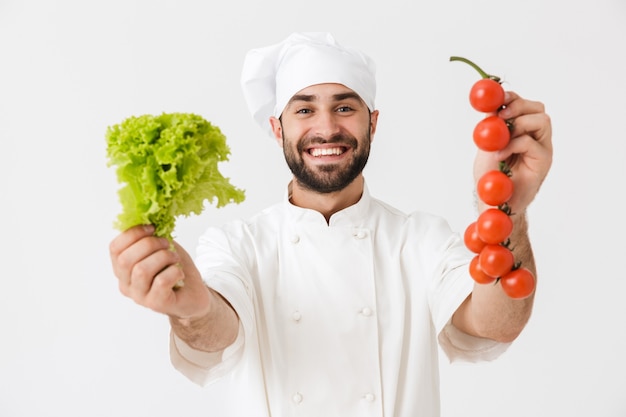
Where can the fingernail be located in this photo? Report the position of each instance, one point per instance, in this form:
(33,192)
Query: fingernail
(148,228)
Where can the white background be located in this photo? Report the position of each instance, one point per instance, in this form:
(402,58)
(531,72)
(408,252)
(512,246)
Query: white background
(72,346)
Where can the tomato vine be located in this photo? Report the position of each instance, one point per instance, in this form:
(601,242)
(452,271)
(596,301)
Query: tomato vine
(488,236)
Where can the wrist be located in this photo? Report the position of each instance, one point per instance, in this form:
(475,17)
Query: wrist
(520,223)
(203,302)
(211,329)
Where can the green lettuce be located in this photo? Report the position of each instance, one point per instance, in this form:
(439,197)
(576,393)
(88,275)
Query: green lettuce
(168,165)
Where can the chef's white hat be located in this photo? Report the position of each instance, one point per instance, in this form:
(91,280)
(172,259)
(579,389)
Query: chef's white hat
(272,75)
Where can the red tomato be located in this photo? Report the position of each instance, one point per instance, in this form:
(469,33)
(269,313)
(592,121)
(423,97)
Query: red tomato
(486,95)
(491,134)
(494,188)
(477,273)
(494,226)
(496,260)
(471,239)
(518,283)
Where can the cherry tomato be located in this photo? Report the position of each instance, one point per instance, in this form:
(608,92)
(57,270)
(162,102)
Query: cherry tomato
(494,188)
(494,226)
(491,134)
(486,95)
(518,283)
(471,239)
(477,273)
(496,260)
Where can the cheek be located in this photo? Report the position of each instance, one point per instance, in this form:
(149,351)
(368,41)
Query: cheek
(290,137)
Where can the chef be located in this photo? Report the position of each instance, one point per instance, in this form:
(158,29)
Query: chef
(332,302)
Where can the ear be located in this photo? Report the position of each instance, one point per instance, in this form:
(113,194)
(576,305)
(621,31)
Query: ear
(373,123)
(277,129)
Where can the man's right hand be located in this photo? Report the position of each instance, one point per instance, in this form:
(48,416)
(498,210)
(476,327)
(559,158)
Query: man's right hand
(148,269)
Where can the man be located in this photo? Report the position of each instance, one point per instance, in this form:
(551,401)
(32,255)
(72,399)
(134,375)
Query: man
(338,300)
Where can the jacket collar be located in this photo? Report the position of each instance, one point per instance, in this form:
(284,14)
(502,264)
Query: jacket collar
(350,216)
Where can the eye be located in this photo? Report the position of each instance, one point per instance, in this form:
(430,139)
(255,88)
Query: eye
(344,109)
(303,111)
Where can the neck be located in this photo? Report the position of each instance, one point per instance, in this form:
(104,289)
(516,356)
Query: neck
(327,203)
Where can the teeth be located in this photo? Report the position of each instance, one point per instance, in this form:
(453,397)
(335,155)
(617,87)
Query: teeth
(326,151)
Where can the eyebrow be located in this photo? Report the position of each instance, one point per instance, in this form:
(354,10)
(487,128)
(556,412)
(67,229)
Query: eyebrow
(336,97)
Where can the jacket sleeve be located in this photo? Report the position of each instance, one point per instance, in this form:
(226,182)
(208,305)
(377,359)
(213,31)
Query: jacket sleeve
(459,346)
(223,261)
(451,285)
(203,368)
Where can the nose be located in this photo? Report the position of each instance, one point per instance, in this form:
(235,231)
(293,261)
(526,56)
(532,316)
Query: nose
(326,125)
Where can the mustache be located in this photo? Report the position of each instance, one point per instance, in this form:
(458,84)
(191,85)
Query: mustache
(339,138)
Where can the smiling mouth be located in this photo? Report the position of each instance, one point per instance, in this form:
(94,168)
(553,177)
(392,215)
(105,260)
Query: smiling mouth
(318,152)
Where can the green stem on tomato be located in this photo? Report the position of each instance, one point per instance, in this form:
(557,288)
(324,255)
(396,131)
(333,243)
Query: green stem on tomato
(510,125)
(482,73)
(504,168)
(506,209)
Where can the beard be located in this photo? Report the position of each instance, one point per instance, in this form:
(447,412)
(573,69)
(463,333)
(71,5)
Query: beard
(327,178)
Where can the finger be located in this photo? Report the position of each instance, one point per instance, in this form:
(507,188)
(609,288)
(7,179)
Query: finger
(124,241)
(523,145)
(515,106)
(535,125)
(528,159)
(128,237)
(146,271)
(162,292)
(126,262)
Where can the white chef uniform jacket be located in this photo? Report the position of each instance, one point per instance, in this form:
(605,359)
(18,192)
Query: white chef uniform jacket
(339,318)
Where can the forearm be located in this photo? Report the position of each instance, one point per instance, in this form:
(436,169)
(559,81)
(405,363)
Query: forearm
(488,311)
(213,331)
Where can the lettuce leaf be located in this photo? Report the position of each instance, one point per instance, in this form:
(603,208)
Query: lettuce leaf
(168,167)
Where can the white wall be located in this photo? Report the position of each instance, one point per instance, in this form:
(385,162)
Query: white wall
(71,345)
